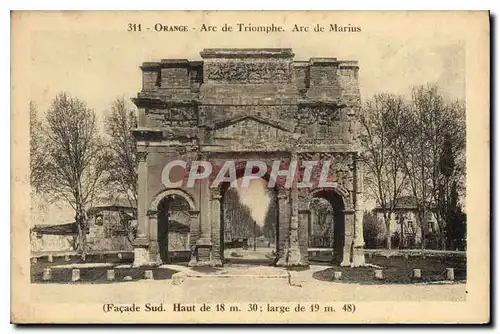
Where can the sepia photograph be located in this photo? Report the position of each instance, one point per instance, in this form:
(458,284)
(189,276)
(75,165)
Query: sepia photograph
(251,167)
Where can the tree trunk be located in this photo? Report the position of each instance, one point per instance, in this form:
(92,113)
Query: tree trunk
(81,236)
(421,216)
(387,222)
(442,234)
(388,239)
(80,223)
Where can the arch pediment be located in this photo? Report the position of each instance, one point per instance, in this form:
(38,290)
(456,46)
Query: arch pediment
(251,131)
(281,125)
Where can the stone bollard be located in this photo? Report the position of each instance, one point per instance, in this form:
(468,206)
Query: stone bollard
(337,275)
(379,274)
(67,258)
(148,274)
(450,274)
(178,278)
(34,260)
(75,275)
(110,275)
(50,258)
(83,257)
(120,256)
(417,273)
(47,274)
(370,255)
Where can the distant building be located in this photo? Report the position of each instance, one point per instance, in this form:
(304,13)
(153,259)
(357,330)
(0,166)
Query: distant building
(110,227)
(405,223)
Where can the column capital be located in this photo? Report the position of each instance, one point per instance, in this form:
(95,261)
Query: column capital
(152,213)
(193,213)
(283,193)
(215,193)
(202,156)
(358,157)
(141,156)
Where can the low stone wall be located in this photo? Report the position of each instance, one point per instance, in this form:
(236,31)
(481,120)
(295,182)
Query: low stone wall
(101,256)
(414,252)
(326,254)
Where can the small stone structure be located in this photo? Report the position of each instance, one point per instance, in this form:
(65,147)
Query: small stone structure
(450,274)
(75,275)
(417,273)
(248,104)
(110,275)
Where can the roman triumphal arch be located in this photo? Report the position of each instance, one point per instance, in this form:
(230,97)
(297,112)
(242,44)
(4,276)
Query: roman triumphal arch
(249,104)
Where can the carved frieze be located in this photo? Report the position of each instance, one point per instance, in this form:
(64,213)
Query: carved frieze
(239,71)
(320,114)
(174,116)
(341,167)
(307,156)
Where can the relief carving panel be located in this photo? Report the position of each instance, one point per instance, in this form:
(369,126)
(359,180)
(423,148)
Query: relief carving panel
(239,71)
(341,168)
(174,116)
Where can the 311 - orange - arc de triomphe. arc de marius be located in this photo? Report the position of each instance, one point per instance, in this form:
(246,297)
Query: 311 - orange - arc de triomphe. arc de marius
(249,104)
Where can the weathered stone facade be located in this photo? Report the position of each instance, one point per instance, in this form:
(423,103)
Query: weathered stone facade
(245,104)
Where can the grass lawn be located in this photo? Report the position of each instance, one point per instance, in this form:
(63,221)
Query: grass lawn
(398,269)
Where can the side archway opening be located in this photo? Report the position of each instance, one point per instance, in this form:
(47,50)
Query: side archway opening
(173,228)
(327,226)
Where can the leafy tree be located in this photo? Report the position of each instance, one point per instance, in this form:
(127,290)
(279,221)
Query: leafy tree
(238,221)
(372,230)
(323,226)
(75,158)
(271,219)
(456,222)
(381,121)
(37,148)
(122,169)
(426,125)
(451,172)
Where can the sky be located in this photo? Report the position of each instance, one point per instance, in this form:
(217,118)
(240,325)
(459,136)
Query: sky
(100,65)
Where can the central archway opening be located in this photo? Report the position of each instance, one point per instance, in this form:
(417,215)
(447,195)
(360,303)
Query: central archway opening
(327,223)
(249,223)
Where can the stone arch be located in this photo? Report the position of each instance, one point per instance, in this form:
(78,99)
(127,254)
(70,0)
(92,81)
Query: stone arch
(169,192)
(339,204)
(160,219)
(344,194)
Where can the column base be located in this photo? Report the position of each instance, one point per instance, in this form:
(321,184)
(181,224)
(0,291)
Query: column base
(142,258)
(216,263)
(291,258)
(346,258)
(202,256)
(358,258)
